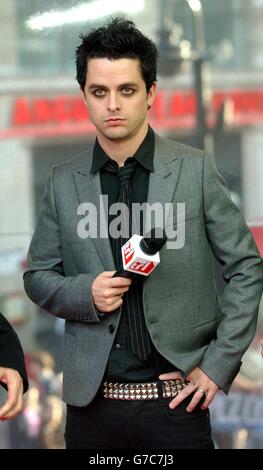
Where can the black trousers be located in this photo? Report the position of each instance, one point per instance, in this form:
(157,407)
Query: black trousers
(116,424)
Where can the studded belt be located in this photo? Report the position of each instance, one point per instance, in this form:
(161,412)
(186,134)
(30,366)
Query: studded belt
(143,391)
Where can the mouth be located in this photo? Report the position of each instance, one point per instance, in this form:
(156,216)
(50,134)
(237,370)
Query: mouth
(114,121)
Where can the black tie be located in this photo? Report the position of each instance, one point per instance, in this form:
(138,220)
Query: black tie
(132,300)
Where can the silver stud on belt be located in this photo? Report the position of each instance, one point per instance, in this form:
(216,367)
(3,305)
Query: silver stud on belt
(171,388)
(130,391)
(142,391)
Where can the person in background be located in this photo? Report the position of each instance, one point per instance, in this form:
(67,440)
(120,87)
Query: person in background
(13,375)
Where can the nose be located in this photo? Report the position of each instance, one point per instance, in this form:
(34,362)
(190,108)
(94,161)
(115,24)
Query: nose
(113,102)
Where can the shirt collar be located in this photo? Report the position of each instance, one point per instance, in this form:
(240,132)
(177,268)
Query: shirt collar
(144,154)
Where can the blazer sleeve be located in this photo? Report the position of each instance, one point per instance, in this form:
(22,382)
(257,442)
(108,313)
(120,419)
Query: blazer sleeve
(11,353)
(45,283)
(233,246)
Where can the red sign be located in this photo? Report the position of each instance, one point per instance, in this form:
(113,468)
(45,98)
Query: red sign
(257,232)
(45,111)
(172,110)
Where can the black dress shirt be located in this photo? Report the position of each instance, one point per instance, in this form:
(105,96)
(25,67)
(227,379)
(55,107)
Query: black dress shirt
(123,366)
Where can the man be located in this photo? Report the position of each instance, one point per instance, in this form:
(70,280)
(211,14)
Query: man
(13,374)
(142,381)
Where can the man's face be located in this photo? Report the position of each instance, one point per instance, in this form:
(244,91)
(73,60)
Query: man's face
(116,97)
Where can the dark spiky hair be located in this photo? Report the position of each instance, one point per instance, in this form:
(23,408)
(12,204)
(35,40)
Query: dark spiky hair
(117,40)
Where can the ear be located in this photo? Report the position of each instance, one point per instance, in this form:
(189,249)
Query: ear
(152,94)
(83,96)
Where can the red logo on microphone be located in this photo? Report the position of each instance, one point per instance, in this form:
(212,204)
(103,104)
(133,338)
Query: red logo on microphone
(143,268)
(128,253)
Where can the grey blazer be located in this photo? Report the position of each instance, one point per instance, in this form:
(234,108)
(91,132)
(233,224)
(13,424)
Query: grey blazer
(185,321)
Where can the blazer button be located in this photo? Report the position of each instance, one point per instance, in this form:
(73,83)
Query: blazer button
(111,328)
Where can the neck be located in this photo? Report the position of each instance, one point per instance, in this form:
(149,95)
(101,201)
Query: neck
(120,150)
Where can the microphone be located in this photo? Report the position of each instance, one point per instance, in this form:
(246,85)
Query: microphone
(140,255)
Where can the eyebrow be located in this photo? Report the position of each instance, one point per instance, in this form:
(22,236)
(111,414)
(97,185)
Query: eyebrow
(97,85)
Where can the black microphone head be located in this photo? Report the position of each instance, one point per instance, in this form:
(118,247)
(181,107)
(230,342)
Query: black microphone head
(154,241)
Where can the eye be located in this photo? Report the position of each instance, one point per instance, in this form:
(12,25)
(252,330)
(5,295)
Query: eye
(128,91)
(99,92)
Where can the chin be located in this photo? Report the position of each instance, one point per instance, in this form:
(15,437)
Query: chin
(116,134)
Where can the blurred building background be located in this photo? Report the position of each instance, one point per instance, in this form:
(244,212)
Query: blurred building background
(210,95)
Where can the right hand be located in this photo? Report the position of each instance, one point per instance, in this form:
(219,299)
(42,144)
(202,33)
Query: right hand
(107,291)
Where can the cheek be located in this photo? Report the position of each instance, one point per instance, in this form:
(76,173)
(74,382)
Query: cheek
(143,104)
(140,109)
(95,112)
(137,105)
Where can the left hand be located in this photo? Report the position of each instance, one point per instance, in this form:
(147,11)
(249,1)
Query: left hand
(199,383)
(14,402)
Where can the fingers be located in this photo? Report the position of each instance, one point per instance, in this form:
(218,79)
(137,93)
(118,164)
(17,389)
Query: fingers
(199,384)
(14,403)
(12,408)
(209,396)
(199,394)
(107,292)
(109,281)
(171,376)
(109,305)
(188,390)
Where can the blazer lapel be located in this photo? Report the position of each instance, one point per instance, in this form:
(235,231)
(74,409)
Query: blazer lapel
(163,180)
(88,188)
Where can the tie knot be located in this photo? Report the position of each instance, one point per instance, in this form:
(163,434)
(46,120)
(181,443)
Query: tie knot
(126,171)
